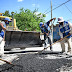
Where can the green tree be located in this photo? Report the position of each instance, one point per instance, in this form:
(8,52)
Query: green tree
(7,13)
(28,20)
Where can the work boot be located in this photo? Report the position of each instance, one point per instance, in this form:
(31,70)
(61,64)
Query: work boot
(64,53)
(45,48)
(51,48)
(68,53)
(63,50)
(69,50)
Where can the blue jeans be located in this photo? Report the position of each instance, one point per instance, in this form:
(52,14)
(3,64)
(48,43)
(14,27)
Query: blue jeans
(46,42)
(2,34)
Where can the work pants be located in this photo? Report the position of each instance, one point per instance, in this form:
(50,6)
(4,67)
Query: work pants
(2,43)
(69,42)
(47,40)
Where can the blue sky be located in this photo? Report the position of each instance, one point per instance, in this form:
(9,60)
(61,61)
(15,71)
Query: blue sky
(42,5)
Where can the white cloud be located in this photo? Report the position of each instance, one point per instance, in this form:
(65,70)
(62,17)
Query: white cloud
(46,14)
(20,0)
(37,13)
(35,5)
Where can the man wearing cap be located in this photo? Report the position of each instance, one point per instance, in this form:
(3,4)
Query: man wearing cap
(2,32)
(64,30)
(46,30)
(4,23)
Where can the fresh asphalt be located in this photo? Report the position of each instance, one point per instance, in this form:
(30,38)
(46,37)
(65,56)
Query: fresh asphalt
(29,60)
(39,63)
(35,62)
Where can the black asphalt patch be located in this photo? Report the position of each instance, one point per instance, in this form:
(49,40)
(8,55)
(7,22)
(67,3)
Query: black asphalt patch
(37,63)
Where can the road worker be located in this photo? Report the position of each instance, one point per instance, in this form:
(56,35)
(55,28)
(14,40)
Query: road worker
(46,30)
(64,30)
(2,30)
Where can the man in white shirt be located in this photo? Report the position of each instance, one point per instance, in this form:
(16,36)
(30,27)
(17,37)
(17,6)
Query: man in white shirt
(65,28)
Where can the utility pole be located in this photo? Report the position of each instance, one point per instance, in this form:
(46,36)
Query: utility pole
(12,18)
(51,23)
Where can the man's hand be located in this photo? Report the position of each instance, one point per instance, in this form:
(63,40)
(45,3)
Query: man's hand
(47,34)
(69,34)
(42,25)
(54,18)
(61,39)
(51,20)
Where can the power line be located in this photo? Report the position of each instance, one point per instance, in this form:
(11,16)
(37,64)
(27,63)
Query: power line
(59,6)
(46,10)
(69,19)
(49,8)
(68,9)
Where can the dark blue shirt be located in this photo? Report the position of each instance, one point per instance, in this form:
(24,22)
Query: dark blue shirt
(46,27)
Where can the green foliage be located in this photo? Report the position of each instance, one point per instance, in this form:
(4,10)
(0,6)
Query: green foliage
(6,13)
(27,19)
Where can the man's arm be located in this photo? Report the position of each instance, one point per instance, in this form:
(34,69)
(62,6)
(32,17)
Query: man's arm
(47,33)
(2,26)
(50,21)
(70,24)
(61,35)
